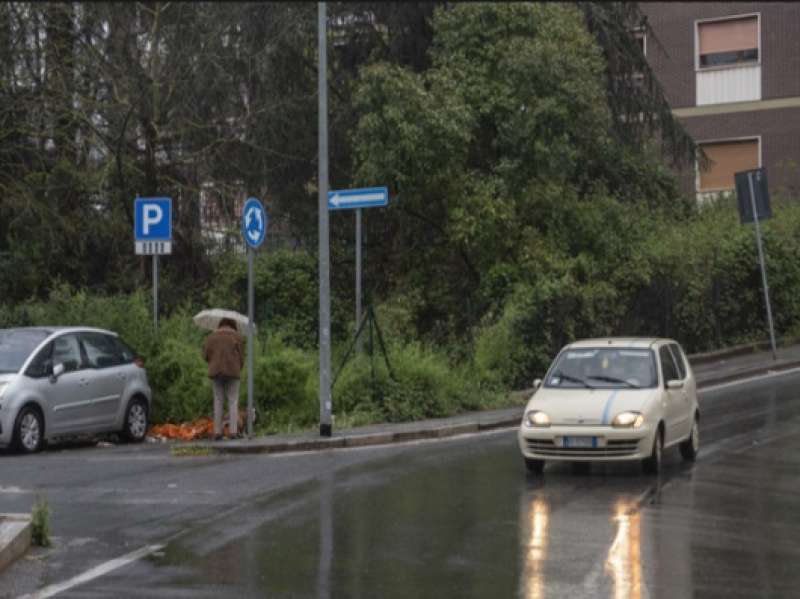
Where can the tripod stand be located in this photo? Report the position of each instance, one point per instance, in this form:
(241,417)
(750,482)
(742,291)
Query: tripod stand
(371,322)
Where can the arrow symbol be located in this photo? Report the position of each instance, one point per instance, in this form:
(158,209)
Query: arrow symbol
(339,200)
(253,229)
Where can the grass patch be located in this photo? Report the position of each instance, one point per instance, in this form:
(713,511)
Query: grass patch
(40,523)
(190,451)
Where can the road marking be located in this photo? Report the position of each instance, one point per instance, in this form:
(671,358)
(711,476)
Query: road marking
(14,490)
(96,572)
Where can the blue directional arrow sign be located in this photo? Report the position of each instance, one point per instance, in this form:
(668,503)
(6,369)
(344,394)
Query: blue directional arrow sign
(254,223)
(349,199)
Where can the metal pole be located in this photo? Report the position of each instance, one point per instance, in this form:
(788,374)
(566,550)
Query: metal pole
(250,344)
(324,258)
(155,292)
(358,278)
(763,266)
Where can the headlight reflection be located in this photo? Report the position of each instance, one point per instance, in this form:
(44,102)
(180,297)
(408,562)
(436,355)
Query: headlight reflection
(536,550)
(624,558)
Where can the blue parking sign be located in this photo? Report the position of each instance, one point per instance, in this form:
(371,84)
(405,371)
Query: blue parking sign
(153,219)
(152,225)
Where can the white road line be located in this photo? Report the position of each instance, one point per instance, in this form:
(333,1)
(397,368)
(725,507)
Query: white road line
(759,377)
(96,572)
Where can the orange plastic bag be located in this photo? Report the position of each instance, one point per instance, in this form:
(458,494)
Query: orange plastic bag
(202,428)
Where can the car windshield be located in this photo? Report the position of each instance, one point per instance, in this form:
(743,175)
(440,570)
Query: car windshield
(603,368)
(16,346)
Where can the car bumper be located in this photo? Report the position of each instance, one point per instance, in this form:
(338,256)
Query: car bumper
(607,444)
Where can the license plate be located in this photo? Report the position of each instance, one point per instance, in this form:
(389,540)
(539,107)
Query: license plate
(580,441)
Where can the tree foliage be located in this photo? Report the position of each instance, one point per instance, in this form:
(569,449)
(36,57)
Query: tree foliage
(503,157)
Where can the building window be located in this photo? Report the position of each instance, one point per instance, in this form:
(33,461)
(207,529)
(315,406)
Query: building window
(728,42)
(725,159)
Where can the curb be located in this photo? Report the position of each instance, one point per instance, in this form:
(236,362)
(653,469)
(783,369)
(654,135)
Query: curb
(15,537)
(482,422)
(740,350)
(744,374)
(364,439)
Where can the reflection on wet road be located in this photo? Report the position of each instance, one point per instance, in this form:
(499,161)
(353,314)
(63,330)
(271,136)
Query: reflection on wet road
(534,528)
(624,558)
(462,519)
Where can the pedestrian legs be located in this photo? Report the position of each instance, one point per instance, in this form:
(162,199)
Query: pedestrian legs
(233,406)
(219,397)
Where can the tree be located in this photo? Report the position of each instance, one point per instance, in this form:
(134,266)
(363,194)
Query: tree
(504,156)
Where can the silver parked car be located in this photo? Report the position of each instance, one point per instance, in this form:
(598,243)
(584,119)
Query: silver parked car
(64,381)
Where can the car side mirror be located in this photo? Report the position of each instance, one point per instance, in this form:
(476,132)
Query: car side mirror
(537,383)
(58,370)
(675,384)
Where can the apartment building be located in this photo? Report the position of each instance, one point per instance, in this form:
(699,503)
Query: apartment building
(731,72)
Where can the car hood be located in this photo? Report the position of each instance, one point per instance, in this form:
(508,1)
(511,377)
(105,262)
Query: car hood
(7,378)
(588,406)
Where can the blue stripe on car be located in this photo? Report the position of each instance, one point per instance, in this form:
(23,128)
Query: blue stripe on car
(607,409)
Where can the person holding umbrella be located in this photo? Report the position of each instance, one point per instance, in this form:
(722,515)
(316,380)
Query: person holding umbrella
(223,350)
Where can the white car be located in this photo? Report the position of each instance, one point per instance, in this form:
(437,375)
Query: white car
(613,399)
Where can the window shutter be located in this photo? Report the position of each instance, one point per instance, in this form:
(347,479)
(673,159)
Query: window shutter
(727,158)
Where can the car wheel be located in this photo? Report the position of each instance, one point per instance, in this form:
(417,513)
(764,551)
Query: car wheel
(535,466)
(652,465)
(691,446)
(135,429)
(28,430)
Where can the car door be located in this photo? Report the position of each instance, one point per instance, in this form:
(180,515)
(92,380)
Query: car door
(674,399)
(688,392)
(68,398)
(106,377)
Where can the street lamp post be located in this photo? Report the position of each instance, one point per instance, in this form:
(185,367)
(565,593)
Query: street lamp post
(324,259)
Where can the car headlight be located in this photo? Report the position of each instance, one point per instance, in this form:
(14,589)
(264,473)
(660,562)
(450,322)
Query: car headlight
(628,420)
(537,418)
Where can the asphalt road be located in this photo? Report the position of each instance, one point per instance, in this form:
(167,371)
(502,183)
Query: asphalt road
(451,518)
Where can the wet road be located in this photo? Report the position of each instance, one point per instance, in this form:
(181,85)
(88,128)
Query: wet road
(456,518)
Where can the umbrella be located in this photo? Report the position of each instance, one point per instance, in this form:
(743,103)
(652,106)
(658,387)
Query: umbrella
(210,319)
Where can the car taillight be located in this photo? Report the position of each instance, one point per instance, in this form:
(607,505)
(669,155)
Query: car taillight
(139,362)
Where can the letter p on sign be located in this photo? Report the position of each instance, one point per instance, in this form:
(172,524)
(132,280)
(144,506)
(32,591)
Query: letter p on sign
(153,219)
(152,216)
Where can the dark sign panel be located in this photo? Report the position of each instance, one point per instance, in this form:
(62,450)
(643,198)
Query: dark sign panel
(760,191)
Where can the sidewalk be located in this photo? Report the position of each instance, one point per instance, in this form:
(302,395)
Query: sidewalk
(15,537)
(709,369)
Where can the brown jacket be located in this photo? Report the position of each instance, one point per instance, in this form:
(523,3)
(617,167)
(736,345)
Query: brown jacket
(224,351)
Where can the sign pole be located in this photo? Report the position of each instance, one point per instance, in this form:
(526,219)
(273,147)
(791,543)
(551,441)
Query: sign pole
(358,278)
(250,346)
(254,231)
(763,266)
(324,258)
(155,292)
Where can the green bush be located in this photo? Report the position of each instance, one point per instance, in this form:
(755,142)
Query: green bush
(179,378)
(696,280)
(537,321)
(128,315)
(425,385)
(282,393)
